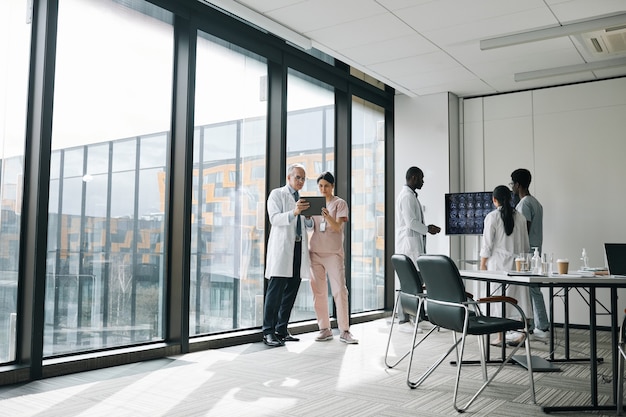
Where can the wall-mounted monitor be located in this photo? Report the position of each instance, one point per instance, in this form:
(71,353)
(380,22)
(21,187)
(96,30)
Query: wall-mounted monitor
(465,212)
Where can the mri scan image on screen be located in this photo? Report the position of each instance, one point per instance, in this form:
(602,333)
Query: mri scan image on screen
(465,212)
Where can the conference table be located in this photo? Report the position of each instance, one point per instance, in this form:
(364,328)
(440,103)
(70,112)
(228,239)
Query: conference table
(566,282)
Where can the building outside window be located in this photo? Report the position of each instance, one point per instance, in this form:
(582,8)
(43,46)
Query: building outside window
(368,206)
(227,241)
(310,142)
(104,275)
(14,53)
(106,282)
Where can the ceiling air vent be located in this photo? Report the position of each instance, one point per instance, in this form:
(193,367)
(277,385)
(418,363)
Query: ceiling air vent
(606,42)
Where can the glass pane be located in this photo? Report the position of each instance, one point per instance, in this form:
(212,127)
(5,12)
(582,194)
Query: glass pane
(228,207)
(368,206)
(310,142)
(98,159)
(104,281)
(14,54)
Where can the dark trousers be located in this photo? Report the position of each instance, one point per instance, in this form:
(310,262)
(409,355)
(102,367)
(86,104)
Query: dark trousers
(280,297)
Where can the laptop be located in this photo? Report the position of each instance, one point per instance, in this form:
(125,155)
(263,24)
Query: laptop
(616,259)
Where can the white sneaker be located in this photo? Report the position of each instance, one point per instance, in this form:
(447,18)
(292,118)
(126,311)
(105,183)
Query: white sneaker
(514,338)
(512,335)
(540,335)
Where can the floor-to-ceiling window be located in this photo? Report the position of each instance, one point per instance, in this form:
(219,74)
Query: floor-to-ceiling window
(121,94)
(112,107)
(310,142)
(228,204)
(368,206)
(14,53)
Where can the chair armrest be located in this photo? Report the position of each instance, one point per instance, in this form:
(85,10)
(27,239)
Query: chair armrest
(510,300)
(497,298)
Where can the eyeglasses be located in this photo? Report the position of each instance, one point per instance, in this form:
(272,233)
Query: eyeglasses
(299,178)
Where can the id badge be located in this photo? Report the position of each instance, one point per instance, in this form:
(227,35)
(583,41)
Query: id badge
(322,226)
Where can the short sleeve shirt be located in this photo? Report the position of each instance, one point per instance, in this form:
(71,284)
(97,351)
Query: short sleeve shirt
(329,241)
(530,207)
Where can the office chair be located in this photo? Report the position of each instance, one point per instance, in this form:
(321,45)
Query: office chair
(621,350)
(411,296)
(449,308)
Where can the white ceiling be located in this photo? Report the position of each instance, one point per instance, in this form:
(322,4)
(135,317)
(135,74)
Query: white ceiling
(422,47)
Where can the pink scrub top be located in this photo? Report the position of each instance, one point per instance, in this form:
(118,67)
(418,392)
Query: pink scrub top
(329,241)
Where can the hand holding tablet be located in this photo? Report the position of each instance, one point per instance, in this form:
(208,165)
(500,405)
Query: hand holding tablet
(315,206)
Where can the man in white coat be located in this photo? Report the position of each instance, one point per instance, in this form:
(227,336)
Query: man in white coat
(410,228)
(287,256)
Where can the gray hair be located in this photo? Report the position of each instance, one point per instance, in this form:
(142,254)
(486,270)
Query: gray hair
(292,167)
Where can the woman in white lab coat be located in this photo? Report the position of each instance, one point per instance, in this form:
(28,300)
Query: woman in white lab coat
(505,234)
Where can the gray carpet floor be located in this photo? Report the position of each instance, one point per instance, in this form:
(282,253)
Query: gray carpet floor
(310,378)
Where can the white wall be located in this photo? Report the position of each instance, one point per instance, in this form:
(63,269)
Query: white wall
(572,139)
(422,140)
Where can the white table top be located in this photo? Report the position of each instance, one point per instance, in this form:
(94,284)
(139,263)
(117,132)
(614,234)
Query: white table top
(564,279)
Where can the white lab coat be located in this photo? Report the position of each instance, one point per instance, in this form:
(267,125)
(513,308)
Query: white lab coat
(501,250)
(279,262)
(410,228)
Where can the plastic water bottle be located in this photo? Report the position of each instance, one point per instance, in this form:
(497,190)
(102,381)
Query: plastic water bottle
(585,260)
(536,262)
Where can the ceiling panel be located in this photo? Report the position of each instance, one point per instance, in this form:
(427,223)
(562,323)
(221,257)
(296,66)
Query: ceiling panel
(574,10)
(431,46)
(415,65)
(361,32)
(390,50)
(266,6)
(309,16)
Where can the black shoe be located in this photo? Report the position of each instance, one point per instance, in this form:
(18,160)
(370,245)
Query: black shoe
(287,338)
(272,341)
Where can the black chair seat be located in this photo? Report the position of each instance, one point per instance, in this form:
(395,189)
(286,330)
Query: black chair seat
(479,325)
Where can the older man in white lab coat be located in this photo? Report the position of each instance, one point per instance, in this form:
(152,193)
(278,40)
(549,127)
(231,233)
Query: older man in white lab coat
(287,256)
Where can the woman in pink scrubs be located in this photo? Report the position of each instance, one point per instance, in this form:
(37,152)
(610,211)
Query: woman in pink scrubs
(327,259)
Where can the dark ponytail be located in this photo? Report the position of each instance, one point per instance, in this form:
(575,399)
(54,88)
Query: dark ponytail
(503,195)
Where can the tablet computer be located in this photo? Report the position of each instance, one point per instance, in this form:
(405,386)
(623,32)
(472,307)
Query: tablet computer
(316,205)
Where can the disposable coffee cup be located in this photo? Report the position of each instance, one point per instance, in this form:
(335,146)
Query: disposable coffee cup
(518,264)
(562,265)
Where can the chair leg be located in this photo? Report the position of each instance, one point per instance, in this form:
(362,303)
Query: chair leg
(483,354)
(619,401)
(426,374)
(459,363)
(393,320)
(497,371)
(414,345)
(529,365)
